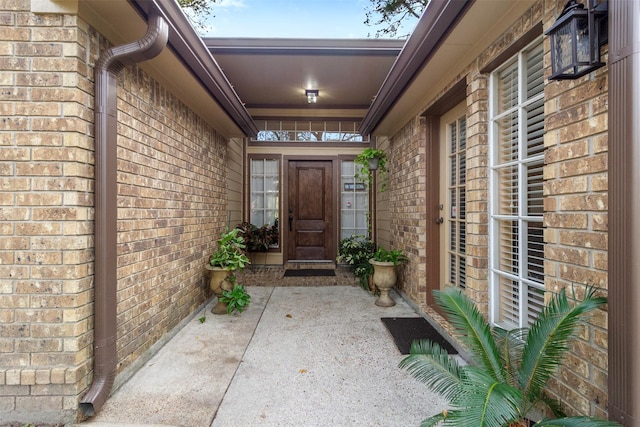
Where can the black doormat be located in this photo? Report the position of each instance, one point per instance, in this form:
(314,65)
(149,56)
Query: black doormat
(405,330)
(309,272)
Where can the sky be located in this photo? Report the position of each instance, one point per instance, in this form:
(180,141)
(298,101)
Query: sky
(289,18)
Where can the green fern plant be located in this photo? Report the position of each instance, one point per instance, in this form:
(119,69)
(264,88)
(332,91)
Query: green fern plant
(508,370)
(363,171)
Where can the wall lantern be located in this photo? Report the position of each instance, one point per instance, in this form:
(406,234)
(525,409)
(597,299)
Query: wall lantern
(576,38)
(312,95)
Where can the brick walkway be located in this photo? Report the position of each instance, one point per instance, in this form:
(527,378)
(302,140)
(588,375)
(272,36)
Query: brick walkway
(273,275)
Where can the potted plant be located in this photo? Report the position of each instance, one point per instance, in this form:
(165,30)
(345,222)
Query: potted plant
(508,371)
(367,162)
(356,251)
(228,258)
(384,264)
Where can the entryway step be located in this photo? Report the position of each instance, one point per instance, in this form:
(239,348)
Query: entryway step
(274,276)
(300,265)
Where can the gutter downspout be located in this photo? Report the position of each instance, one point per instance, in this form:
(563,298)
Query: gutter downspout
(107,68)
(624,205)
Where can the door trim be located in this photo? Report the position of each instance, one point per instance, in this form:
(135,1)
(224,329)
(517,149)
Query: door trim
(432,200)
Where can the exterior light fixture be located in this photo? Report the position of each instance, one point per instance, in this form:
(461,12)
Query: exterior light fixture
(576,37)
(312,95)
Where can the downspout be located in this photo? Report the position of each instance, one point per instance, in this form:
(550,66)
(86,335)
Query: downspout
(107,68)
(624,205)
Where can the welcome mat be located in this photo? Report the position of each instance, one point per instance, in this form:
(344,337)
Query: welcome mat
(309,272)
(405,330)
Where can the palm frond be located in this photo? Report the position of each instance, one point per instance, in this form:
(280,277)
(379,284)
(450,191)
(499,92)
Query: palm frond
(576,422)
(431,365)
(484,402)
(432,421)
(472,328)
(548,339)
(510,344)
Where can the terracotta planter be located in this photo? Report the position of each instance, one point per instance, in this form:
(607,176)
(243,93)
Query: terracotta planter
(384,276)
(218,282)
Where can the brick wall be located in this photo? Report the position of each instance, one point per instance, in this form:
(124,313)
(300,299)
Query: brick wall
(575,203)
(477,189)
(576,220)
(172,204)
(171,208)
(407,188)
(46,164)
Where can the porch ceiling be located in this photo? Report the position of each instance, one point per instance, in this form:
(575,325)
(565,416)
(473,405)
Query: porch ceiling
(270,75)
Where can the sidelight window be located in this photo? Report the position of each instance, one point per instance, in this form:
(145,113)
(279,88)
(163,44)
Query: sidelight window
(265,191)
(354,202)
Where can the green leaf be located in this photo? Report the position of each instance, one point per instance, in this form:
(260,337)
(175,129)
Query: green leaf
(549,337)
(509,369)
(430,364)
(489,402)
(576,422)
(433,421)
(472,329)
(236,299)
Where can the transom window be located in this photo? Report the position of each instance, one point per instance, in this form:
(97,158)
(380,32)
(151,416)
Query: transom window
(309,131)
(516,160)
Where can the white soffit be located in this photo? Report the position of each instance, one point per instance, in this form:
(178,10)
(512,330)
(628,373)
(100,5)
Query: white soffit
(120,23)
(485,21)
(301,114)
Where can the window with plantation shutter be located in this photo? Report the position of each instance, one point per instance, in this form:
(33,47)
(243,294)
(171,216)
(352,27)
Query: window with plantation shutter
(516,270)
(457,203)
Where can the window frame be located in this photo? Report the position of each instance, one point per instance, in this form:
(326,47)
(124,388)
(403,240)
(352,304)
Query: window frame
(460,189)
(366,191)
(527,307)
(265,157)
(308,127)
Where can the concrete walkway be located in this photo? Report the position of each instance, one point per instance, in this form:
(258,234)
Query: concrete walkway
(298,356)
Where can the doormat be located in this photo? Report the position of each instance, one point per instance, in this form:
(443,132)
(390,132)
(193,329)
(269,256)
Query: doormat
(309,272)
(405,330)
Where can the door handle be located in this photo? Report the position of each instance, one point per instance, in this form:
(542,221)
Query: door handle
(439,220)
(290,222)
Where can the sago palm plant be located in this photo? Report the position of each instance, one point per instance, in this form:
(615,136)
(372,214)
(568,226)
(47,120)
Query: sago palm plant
(508,371)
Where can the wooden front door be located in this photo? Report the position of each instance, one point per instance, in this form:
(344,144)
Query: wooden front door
(310,213)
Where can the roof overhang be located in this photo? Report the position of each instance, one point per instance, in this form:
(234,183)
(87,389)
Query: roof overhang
(449,36)
(186,68)
(271,75)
